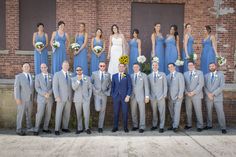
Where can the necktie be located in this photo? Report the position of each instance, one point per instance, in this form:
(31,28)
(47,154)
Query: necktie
(212,77)
(102,77)
(46,79)
(135,79)
(120,77)
(191,76)
(28,77)
(66,77)
(155,77)
(172,76)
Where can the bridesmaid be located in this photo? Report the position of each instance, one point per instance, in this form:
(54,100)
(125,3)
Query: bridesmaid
(96,58)
(172,52)
(158,46)
(209,52)
(81,57)
(135,49)
(59,54)
(188,46)
(40,55)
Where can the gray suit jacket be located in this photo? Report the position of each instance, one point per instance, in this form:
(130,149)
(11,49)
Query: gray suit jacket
(158,89)
(23,90)
(175,86)
(140,89)
(101,88)
(216,87)
(61,88)
(83,92)
(195,84)
(42,87)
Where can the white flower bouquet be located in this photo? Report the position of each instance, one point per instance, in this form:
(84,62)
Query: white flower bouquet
(39,45)
(75,46)
(221,60)
(179,62)
(141,59)
(97,49)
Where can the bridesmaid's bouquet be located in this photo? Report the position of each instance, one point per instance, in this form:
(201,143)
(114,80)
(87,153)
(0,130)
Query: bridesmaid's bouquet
(39,45)
(141,59)
(155,59)
(221,60)
(124,59)
(97,49)
(179,62)
(55,44)
(75,47)
(192,57)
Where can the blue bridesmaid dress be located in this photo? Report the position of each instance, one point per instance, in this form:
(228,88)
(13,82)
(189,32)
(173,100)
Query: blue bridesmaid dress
(42,57)
(159,52)
(190,52)
(171,53)
(133,44)
(94,58)
(59,55)
(208,55)
(81,59)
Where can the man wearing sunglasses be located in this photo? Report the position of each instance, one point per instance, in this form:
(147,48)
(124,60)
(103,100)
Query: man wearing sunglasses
(101,81)
(82,87)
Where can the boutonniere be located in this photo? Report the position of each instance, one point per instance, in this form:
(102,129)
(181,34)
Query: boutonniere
(70,74)
(49,78)
(85,79)
(159,76)
(33,77)
(123,75)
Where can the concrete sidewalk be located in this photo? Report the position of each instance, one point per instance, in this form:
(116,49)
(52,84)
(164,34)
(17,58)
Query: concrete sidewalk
(149,144)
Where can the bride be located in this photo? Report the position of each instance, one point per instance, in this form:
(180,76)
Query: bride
(116,49)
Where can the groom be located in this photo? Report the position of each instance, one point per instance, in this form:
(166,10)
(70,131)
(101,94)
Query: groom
(120,91)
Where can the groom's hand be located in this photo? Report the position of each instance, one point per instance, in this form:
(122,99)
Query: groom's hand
(127,98)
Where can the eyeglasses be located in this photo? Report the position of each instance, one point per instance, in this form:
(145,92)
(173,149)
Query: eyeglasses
(78,69)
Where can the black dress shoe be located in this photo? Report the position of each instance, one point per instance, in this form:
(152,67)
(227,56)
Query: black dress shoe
(114,130)
(36,133)
(161,130)
(141,130)
(65,130)
(79,131)
(187,127)
(21,133)
(199,129)
(170,128)
(208,128)
(153,128)
(47,131)
(175,130)
(126,130)
(88,131)
(57,133)
(224,131)
(134,128)
(100,130)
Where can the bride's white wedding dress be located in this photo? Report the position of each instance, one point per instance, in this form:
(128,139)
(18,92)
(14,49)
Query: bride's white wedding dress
(115,54)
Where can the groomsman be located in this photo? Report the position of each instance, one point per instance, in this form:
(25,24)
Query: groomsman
(139,96)
(214,84)
(82,86)
(194,82)
(43,86)
(101,81)
(175,82)
(63,94)
(158,92)
(121,90)
(23,93)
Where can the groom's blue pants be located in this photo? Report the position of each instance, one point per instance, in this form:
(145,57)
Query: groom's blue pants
(118,103)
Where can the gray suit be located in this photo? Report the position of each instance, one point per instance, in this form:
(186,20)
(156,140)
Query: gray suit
(215,87)
(62,89)
(23,90)
(175,90)
(101,89)
(44,105)
(194,83)
(158,92)
(82,95)
(139,92)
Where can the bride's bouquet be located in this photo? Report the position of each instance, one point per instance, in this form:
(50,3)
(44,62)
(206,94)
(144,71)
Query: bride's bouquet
(179,62)
(221,60)
(124,59)
(141,59)
(97,49)
(39,45)
(75,47)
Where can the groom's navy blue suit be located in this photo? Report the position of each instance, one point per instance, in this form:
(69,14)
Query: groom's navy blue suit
(119,90)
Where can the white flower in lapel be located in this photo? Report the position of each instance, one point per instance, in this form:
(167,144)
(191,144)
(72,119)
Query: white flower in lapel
(85,79)
(159,76)
(33,77)
(70,74)
(216,76)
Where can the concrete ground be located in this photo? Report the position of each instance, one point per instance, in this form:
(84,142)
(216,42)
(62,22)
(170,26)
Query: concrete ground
(149,144)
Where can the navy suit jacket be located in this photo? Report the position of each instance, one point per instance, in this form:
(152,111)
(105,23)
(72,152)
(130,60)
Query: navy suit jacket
(122,88)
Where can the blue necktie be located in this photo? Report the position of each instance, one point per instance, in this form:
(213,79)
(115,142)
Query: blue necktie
(172,76)
(81,82)
(46,79)
(212,77)
(102,77)
(66,77)
(135,79)
(191,76)
(120,77)
(28,78)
